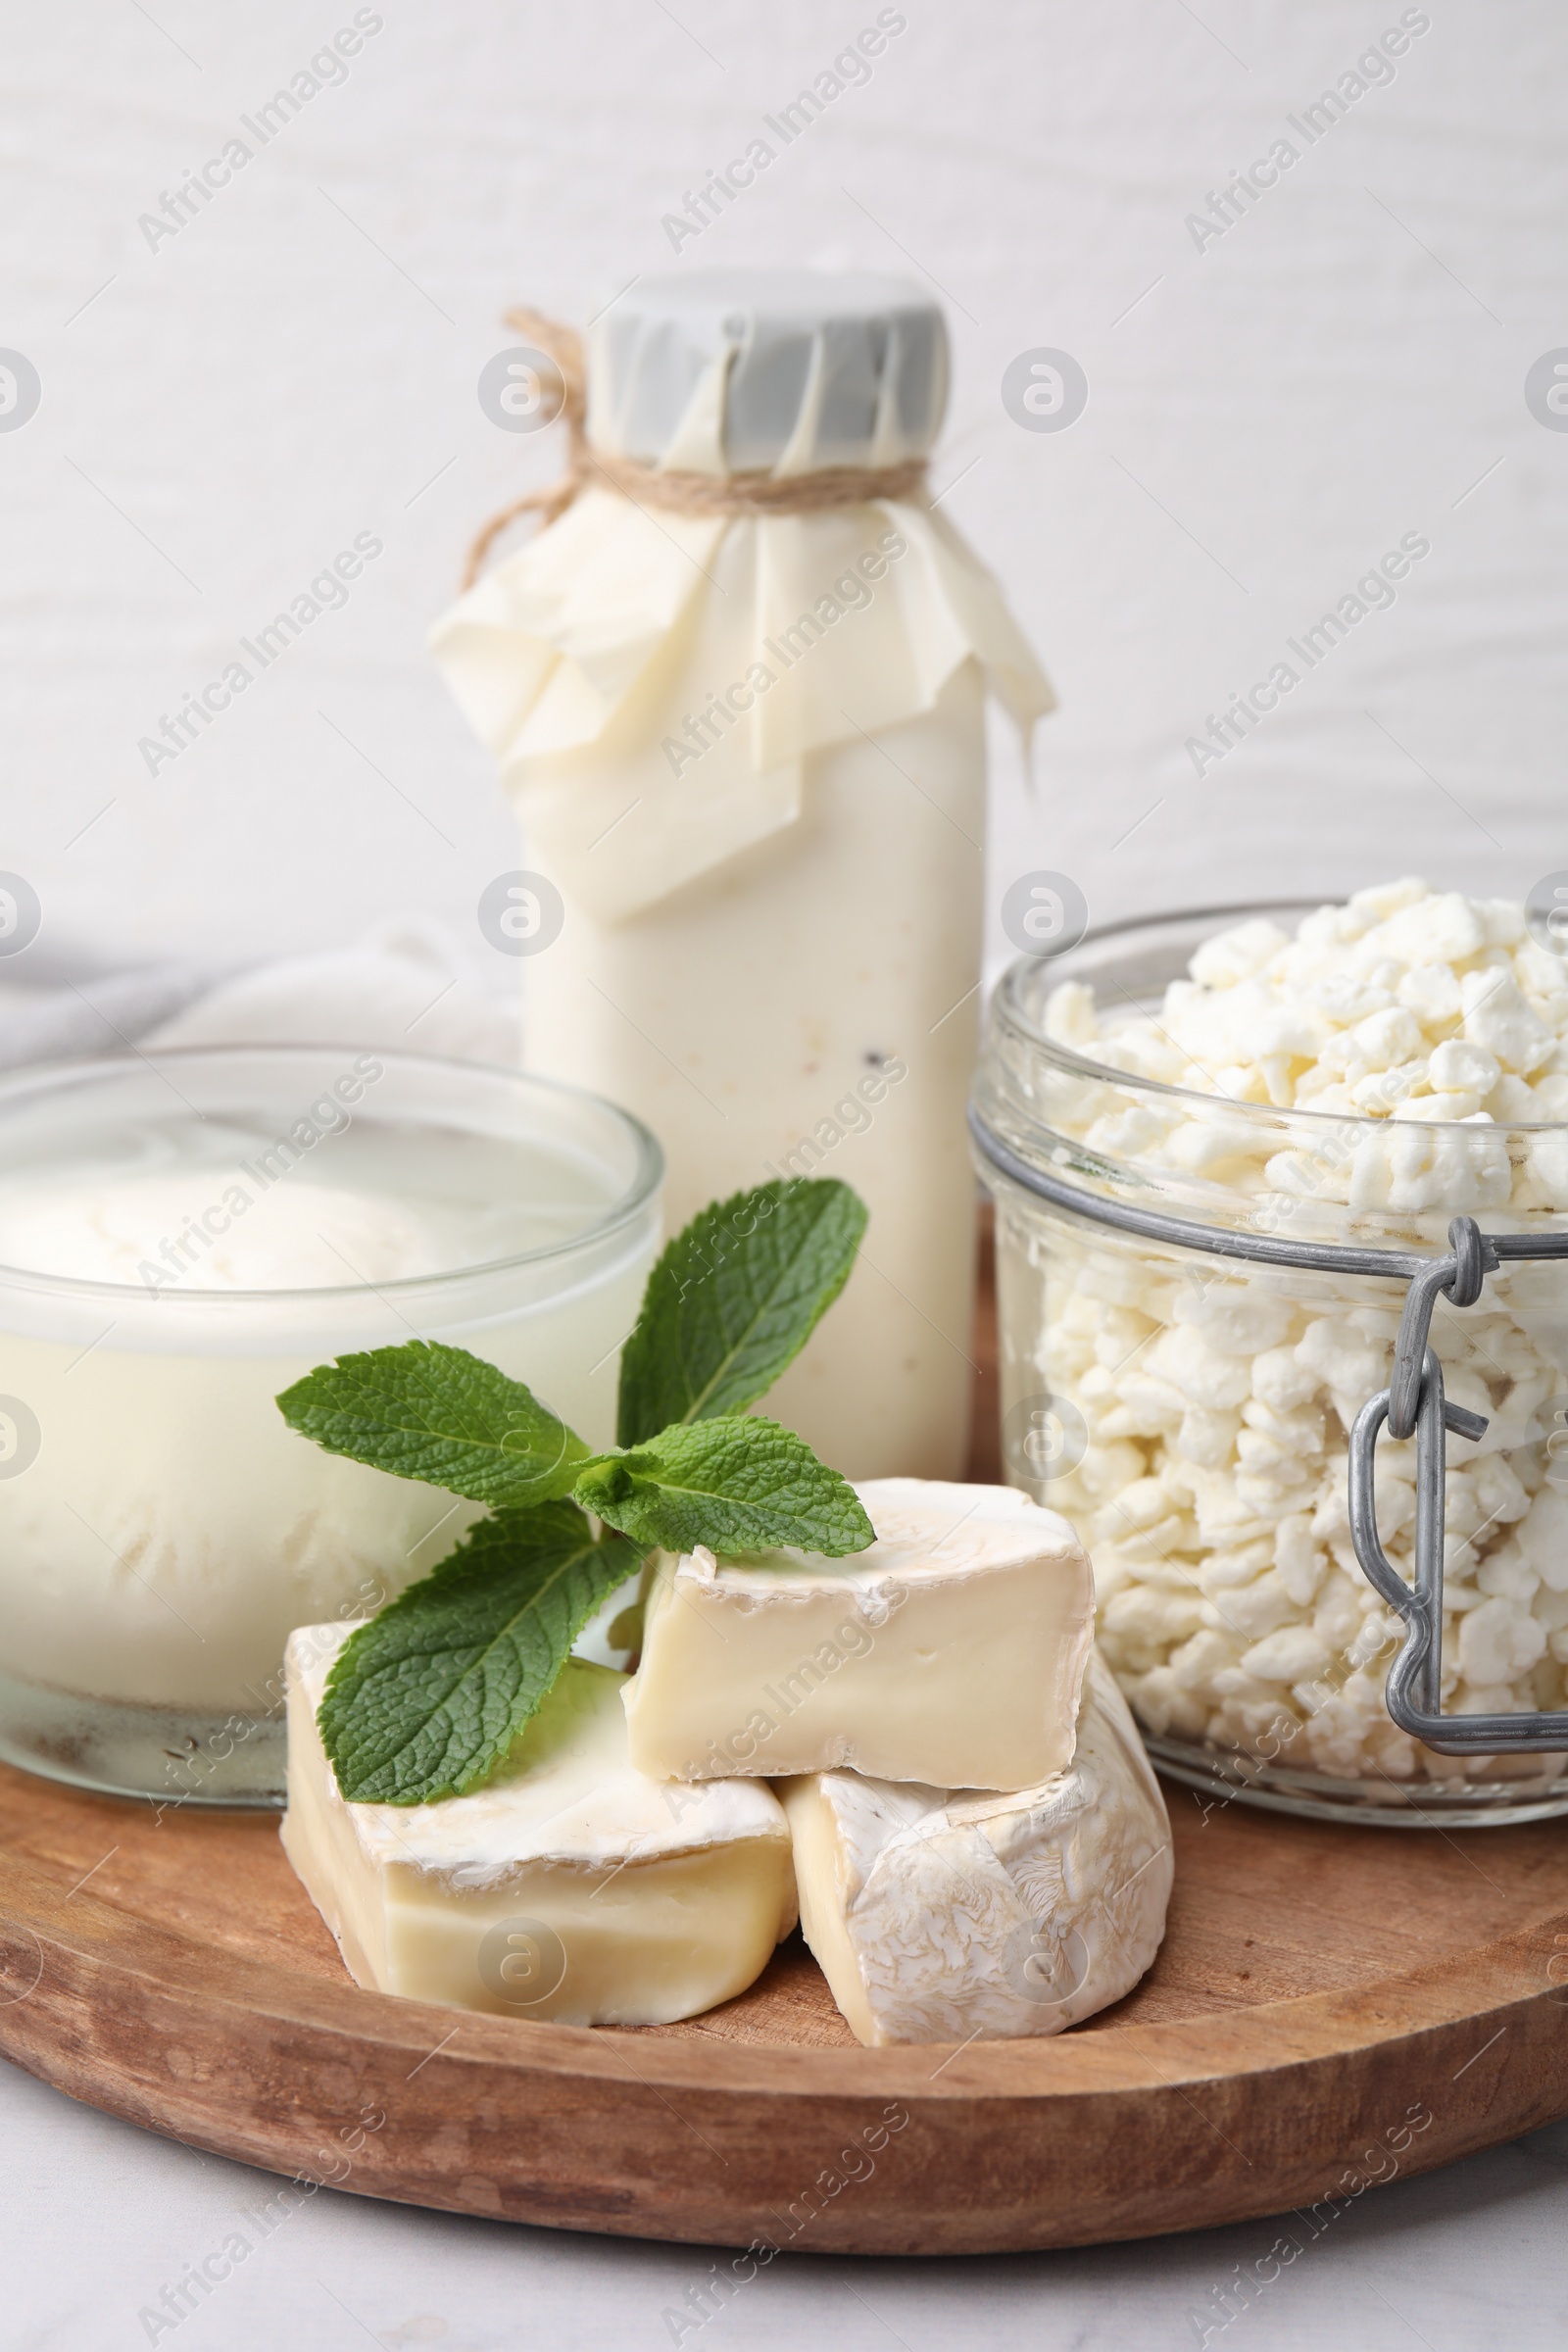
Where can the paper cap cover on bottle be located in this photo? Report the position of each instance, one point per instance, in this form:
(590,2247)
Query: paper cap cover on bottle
(799,369)
(587,660)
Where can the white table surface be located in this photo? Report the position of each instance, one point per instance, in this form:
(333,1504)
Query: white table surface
(98,2217)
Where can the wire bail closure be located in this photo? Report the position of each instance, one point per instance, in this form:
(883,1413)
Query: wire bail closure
(1413,1405)
(1458,1279)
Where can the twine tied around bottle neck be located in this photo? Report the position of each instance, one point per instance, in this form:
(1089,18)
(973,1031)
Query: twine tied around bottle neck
(676,492)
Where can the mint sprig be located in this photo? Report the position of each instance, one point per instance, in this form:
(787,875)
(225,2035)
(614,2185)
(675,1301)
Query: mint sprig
(426,1699)
(733,1301)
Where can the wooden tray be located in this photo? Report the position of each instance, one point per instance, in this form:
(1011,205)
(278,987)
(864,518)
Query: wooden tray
(1321,1990)
(1332,2006)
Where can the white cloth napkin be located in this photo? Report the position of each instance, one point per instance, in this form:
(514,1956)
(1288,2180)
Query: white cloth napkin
(409,986)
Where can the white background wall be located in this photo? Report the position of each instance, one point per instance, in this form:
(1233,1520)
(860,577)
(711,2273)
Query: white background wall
(298,363)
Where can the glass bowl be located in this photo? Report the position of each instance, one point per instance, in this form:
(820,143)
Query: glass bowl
(184,1233)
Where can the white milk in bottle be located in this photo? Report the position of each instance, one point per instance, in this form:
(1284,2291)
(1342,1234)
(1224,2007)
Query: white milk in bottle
(736,690)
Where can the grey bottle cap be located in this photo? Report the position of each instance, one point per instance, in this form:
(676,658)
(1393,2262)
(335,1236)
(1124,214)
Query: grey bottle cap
(875,396)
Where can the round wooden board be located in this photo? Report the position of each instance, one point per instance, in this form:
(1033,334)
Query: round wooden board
(1321,1990)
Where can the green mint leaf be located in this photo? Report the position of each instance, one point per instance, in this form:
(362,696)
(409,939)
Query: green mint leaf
(426,1700)
(437,1413)
(735,1485)
(733,1301)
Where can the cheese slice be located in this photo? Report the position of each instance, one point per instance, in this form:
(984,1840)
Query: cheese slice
(940,1915)
(951,1651)
(568,1887)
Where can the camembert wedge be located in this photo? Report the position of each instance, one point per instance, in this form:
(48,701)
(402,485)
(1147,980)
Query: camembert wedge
(940,1915)
(951,1651)
(570,1885)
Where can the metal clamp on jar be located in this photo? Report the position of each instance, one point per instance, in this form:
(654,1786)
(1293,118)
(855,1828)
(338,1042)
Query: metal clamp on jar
(1415,1404)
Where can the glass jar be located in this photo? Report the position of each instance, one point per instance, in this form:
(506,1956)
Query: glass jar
(184,1235)
(1190,1415)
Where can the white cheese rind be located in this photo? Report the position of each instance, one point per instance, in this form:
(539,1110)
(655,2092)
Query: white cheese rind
(951,1651)
(943,1916)
(569,1886)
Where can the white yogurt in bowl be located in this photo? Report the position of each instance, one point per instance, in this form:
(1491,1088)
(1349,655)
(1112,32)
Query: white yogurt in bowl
(181,1237)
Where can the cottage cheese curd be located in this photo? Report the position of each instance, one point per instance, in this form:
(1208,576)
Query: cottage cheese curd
(1214,1409)
(1419,1008)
